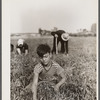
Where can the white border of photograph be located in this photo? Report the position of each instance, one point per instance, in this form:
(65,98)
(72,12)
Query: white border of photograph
(6,14)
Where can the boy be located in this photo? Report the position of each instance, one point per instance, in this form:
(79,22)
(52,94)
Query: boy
(22,47)
(46,69)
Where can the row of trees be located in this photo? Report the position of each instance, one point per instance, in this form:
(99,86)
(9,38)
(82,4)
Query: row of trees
(80,32)
(44,32)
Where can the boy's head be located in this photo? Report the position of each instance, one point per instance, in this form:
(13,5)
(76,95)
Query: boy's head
(43,49)
(44,52)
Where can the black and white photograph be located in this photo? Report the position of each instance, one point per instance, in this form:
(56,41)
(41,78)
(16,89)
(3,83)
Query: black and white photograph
(52,49)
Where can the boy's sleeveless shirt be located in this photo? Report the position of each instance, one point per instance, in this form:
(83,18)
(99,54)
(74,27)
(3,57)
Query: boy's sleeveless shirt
(51,74)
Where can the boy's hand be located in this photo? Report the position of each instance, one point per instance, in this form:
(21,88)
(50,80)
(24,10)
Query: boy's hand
(38,68)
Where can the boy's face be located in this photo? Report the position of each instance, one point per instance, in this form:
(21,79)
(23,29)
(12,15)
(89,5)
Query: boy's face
(45,59)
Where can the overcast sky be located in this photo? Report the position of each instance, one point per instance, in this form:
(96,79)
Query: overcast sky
(70,15)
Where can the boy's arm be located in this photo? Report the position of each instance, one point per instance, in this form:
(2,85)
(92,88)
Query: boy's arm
(34,86)
(37,70)
(61,73)
(56,88)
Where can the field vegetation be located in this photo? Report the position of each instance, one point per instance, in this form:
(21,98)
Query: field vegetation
(80,67)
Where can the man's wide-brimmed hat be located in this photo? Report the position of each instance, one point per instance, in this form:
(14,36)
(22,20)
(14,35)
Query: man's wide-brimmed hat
(20,41)
(65,36)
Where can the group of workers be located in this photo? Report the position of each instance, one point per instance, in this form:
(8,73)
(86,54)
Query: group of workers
(46,69)
(58,36)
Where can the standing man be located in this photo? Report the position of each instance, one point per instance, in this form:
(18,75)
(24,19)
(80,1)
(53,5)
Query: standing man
(61,37)
(22,47)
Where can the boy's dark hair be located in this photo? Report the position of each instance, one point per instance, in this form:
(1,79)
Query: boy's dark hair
(43,49)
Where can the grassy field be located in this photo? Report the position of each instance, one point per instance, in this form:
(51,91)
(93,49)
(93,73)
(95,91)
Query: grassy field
(80,67)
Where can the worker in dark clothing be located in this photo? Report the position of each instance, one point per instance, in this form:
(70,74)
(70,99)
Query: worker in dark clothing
(22,47)
(11,47)
(61,37)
